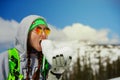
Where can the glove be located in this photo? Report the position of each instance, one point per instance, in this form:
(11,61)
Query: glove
(57,57)
(59,65)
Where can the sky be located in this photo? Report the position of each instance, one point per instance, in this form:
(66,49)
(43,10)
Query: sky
(95,20)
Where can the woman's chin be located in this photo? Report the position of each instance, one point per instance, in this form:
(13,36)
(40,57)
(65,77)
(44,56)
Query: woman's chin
(39,49)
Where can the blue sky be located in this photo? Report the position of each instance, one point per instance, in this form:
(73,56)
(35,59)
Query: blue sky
(98,14)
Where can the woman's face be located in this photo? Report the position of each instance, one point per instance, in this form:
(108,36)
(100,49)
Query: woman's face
(37,35)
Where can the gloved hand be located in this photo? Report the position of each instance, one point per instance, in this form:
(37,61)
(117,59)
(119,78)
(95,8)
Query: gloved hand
(59,65)
(59,58)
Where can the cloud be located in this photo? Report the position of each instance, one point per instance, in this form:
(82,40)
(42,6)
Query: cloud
(7,30)
(7,33)
(57,34)
(79,31)
(76,31)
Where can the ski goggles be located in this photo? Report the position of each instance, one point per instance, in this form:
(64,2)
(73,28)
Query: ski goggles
(39,30)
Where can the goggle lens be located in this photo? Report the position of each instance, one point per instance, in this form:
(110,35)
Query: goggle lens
(40,30)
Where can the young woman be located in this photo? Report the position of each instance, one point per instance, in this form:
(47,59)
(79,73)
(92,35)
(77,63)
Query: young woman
(26,61)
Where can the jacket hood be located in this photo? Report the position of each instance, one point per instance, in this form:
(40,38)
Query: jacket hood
(22,34)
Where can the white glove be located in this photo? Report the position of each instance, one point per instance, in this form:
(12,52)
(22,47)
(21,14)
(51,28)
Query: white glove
(57,57)
(59,65)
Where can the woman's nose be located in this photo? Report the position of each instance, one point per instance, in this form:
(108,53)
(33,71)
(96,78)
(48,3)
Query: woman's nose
(43,35)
